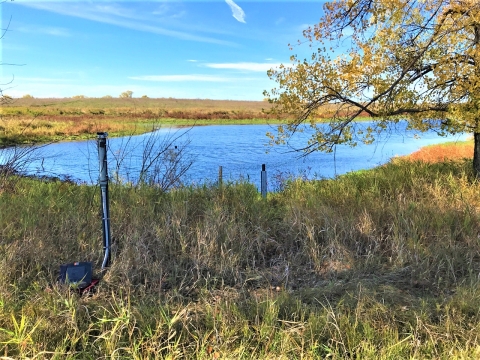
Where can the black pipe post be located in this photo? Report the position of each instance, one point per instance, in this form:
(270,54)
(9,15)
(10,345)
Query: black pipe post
(263,182)
(103,180)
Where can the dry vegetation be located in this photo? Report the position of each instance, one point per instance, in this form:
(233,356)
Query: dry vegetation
(39,120)
(143,108)
(378,264)
(444,152)
(144,103)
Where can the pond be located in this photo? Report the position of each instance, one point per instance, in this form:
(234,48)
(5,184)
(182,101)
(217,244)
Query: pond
(239,149)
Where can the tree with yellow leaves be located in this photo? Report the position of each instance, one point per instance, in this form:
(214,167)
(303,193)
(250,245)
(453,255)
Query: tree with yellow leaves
(417,60)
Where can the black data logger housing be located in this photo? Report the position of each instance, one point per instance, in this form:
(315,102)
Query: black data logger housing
(76,274)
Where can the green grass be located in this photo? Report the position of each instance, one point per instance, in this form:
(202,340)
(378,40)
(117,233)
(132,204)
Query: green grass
(378,264)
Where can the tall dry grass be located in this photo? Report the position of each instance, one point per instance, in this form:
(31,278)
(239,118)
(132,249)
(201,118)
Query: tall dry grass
(444,152)
(376,264)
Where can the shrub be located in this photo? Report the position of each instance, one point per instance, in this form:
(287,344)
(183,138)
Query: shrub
(126,94)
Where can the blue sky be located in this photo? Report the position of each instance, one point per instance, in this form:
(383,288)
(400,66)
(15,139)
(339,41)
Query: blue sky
(217,49)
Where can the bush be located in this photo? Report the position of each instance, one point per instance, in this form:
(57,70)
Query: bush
(126,94)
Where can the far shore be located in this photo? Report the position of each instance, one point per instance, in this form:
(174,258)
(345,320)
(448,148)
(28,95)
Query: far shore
(31,120)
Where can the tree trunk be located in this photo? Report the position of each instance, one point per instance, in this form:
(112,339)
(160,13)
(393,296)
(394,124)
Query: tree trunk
(476,154)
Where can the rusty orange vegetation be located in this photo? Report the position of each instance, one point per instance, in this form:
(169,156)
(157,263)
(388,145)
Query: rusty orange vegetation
(442,152)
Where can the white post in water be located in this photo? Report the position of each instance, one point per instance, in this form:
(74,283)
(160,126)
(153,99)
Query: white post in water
(263,181)
(103,179)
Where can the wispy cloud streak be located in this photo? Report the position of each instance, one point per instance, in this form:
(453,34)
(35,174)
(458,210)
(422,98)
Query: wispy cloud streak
(244,66)
(237,11)
(115,15)
(49,30)
(40,79)
(193,77)
(177,78)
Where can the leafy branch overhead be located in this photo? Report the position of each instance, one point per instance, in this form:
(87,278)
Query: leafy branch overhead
(388,59)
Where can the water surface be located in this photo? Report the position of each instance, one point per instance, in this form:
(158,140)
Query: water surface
(239,149)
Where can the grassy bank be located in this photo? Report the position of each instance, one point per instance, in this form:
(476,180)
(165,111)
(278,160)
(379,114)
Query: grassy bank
(446,151)
(378,264)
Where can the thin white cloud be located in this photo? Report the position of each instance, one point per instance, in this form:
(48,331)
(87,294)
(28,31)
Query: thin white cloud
(244,66)
(192,60)
(115,10)
(193,78)
(165,9)
(162,9)
(237,11)
(15,47)
(48,30)
(39,79)
(57,32)
(115,15)
(302,27)
(177,78)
